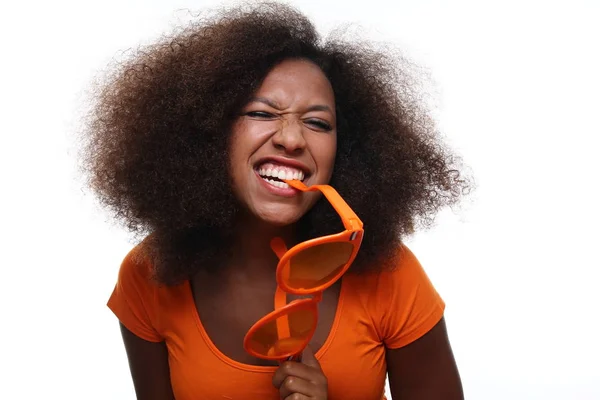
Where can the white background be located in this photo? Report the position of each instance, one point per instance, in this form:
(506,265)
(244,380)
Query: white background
(517,89)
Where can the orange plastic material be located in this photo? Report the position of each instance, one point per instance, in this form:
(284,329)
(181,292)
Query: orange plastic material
(308,268)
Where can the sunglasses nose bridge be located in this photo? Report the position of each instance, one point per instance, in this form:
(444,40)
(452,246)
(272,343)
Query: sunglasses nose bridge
(318,297)
(283,327)
(283,333)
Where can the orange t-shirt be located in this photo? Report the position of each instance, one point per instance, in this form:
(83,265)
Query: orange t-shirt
(375,311)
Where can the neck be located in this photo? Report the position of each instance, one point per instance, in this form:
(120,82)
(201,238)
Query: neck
(252,256)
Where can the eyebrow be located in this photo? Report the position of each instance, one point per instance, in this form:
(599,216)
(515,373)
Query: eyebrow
(271,103)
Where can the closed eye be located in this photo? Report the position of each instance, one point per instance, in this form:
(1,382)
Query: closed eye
(315,123)
(320,124)
(260,114)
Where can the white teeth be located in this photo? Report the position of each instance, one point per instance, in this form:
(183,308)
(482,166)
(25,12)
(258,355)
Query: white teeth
(278,184)
(283,173)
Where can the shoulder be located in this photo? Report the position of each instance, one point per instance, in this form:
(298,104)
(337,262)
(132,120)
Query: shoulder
(404,271)
(136,286)
(134,299)
(401,271)
(400,298)
(137,266)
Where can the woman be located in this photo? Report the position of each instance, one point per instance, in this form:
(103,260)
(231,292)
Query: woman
(186,144)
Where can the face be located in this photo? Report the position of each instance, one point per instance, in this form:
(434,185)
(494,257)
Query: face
(287,130)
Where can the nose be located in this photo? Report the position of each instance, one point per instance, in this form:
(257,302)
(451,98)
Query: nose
(290,137)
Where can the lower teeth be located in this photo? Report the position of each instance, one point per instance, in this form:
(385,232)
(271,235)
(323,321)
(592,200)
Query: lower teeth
(278,184)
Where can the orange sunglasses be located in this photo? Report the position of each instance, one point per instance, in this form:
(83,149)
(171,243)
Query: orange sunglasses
(308,268)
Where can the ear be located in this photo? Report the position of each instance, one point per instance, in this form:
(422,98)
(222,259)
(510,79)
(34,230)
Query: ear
(278,246)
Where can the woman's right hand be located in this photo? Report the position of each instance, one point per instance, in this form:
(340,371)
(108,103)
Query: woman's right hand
(301,380)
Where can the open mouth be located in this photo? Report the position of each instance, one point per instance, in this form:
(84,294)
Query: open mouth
(275,174)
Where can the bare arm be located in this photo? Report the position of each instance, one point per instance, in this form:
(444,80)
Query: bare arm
(425,369)
(149,367)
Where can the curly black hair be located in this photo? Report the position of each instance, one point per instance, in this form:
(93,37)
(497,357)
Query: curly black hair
(156,141)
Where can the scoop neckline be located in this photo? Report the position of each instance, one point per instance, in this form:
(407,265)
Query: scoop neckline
(260,368)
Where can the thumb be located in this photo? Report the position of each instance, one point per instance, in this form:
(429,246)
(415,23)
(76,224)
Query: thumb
(308,358)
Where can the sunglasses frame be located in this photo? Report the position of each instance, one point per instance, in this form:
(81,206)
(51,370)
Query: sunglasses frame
(352,234)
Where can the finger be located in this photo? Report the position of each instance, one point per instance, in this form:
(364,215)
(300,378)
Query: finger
(296,396)
(308,358)
(293,384)
(293,368)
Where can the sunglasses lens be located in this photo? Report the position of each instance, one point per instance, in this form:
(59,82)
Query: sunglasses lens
(295,329)
(318,264)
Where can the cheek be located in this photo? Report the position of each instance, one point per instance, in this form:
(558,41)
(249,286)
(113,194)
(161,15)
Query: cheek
(237,161)
(326,153)
(234,142)
(240,147)
(248,137)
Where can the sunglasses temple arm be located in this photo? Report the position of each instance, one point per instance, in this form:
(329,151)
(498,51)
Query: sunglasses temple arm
(280,300)
(278,246)
(349,218)
(283,325)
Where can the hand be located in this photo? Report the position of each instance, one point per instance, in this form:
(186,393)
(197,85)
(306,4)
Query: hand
(301,380)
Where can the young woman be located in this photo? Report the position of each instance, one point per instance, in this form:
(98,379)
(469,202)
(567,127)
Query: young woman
(188,144)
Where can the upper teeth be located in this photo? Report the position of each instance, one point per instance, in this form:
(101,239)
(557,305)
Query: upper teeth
(286,173)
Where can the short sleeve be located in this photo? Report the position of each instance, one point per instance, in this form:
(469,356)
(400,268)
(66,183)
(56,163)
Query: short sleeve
(133,299)
(407,303)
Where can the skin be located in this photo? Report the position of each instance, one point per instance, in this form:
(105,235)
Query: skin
(290,116)
(425,369)
(301,380)
(149,366)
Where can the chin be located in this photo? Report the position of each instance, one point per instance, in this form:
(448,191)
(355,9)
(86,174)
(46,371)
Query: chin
(279,216)
(280,220)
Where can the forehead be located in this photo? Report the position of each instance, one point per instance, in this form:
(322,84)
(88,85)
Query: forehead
(297,80)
